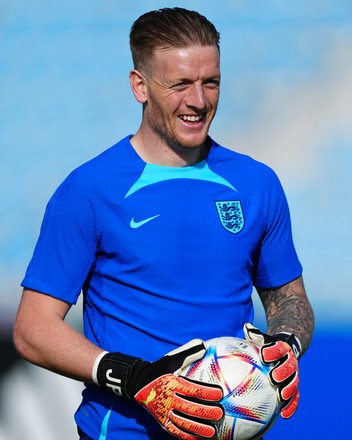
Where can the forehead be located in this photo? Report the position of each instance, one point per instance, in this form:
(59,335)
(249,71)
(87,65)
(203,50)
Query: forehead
(187,62)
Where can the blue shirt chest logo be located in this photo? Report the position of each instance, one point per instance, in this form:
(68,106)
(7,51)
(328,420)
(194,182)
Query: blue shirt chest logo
(230,215)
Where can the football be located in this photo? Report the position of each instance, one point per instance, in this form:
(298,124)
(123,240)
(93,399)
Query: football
(250,401)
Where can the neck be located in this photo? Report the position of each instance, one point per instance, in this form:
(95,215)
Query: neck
(154,151)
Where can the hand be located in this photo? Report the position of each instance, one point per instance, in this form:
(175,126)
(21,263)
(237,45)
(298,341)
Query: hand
(184,408)
(175,401)
(283,350)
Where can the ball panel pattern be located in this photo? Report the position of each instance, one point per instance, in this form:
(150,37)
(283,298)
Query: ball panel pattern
(250,401)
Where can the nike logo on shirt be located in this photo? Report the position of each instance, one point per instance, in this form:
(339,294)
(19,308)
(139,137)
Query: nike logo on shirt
(135,224)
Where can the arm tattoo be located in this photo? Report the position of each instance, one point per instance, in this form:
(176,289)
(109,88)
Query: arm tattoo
(287,309)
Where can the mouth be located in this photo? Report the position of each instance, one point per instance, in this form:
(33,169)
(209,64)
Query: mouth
(192,118)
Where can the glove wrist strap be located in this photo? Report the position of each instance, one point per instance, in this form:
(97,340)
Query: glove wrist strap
(113,371)
(292,341)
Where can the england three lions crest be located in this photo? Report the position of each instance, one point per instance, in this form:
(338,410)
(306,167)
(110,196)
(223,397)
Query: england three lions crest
(231,215)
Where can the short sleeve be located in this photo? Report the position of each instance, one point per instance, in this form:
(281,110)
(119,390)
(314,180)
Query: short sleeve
(66,247)
(277,261)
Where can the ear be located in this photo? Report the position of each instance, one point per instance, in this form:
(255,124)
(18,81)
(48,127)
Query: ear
(138,86)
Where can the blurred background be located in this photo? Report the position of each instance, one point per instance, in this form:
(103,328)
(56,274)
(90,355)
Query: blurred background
(286,100)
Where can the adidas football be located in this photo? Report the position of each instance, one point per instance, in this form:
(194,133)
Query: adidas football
(250,401)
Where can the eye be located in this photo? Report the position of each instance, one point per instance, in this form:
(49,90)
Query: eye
(181,85)
(212,83)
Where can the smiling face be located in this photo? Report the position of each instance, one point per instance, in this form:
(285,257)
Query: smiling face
(180,94)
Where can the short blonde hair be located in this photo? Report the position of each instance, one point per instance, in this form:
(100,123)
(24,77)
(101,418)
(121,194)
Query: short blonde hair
(169,28)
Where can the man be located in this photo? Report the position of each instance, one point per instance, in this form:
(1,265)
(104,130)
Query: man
(165,233)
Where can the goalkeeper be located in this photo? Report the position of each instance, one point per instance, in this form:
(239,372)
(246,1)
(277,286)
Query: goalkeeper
(165,234)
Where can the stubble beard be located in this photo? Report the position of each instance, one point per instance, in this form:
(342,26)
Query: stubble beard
(174,142)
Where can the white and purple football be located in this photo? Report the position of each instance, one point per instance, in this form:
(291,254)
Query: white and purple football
(250,401)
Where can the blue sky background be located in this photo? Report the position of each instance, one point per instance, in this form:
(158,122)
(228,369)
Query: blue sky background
(286,100)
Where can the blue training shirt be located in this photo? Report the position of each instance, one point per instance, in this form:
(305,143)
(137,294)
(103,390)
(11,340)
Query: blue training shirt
(162,255)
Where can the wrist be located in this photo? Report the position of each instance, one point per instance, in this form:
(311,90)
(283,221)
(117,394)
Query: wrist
(95,367)
(113,372)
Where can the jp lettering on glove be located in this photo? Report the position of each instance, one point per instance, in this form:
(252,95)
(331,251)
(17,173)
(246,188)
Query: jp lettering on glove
(185,408)
(282,350)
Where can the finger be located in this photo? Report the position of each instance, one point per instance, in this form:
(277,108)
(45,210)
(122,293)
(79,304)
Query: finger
(192,426)
(199,390)
(283,371)
(291,408)
(274,352)
(291,389)
(193,345)
(253,334)
(199,410)
(185,355)
(180,358)
(172,429)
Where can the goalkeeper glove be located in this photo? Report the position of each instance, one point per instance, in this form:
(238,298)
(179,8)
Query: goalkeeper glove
(184,408)
(283,350)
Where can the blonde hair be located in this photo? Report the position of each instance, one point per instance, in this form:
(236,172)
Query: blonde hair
(169,28)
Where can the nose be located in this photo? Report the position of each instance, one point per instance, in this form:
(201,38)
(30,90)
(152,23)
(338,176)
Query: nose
(196,97)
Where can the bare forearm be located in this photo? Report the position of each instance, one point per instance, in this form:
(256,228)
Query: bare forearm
(49,341)
(288,309)
(63,350)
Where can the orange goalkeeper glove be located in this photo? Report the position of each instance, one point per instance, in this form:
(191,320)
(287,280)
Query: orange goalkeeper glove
(184,408)
(283,350)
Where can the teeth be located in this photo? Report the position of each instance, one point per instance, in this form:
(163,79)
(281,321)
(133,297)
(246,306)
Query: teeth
(191,118)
